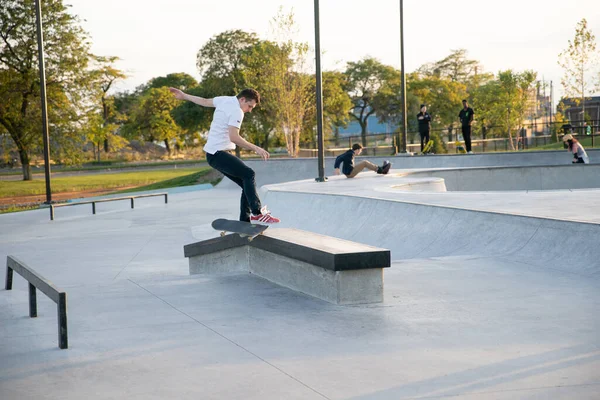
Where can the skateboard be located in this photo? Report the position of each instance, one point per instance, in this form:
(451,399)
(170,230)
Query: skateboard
(243,229)
(427,148)
(459,147)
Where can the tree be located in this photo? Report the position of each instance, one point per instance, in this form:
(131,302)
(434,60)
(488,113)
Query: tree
(220,61)
(103,77)
(98,131)
(577,60)
(66,56)
(364,79)
(193,118)
(179,80)
(442,96)
(276,70)
(221,65)
(336,104)
(502,103)
(457,68)
(388,103)
(152,119)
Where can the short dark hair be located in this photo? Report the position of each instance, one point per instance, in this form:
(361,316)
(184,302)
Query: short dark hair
(464,101)
(249,94)
(356,146)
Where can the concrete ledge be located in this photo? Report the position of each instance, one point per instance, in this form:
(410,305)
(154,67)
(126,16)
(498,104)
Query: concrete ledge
(331,269)
(358,286)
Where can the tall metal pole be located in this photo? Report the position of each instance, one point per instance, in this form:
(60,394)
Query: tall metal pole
(402,141)
(40,40)
(320,140)
(552,109)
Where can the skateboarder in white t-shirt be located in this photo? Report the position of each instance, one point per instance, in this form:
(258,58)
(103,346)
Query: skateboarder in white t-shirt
(223,135)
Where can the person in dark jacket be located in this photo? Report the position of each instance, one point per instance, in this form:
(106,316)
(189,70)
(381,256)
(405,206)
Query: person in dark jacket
(424,120)
(466,119)
(351,170)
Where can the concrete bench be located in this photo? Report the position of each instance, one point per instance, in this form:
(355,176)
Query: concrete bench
(331,269)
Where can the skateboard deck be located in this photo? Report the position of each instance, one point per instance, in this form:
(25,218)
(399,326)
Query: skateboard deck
(428,147)
(243,229)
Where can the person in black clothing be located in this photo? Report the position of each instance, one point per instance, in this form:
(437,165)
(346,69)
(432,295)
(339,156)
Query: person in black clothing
(351,170)
(466,119)
(424,120)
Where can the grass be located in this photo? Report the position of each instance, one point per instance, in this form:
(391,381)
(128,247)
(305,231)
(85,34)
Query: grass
(12,209)
(108,164)
(586,142)
(186,180)
(143,179)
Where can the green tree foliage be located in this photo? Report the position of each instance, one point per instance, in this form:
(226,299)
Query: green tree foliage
(276,70)
(457,67)
(577,60)
(502,103)
(67,77)
(220,62)
(103,76)
(442,96)
(336,104)
(364,79)
(151,118)
(179,80)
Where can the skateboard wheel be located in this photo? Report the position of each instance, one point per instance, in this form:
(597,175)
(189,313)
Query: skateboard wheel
(222,234)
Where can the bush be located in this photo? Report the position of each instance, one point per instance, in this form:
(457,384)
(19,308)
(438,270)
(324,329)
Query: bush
(439,146)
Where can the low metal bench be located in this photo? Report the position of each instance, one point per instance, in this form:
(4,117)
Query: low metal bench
(36,281)
(93,202)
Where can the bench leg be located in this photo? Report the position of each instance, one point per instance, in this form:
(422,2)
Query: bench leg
(32,301)
(61,306)
(9,277)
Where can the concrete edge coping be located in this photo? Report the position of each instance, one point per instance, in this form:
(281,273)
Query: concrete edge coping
(316,249)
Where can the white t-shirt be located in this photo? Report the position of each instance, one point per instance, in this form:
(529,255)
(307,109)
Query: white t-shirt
(227,113)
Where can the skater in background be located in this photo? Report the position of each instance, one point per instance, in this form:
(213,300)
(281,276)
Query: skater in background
(424,120)
(573,146)
(351,170)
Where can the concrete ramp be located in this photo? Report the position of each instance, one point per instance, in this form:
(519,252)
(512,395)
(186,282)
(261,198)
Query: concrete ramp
(293,169)
(415,231)
(550,177)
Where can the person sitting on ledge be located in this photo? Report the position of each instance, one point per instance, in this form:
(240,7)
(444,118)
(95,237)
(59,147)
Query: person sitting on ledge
(573,146)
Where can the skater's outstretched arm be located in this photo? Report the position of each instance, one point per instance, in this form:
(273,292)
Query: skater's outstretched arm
(234,136)
(194,99)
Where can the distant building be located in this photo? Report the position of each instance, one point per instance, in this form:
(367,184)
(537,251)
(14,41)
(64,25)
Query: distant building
(373,127)
(573,111)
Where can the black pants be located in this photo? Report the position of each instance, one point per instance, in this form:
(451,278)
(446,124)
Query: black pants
(235,169)
(424,139)
(466,131)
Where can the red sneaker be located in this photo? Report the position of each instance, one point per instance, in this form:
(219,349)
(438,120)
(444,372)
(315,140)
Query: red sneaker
(264,217)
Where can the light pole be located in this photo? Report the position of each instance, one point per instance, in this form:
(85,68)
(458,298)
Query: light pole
(402,140)
(40,40)
(320,142)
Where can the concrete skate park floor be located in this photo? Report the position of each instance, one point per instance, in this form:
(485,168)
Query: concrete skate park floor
(477,322)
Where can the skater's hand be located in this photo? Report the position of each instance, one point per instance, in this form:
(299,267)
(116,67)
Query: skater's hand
(178,93)
(336,171)
(263,153)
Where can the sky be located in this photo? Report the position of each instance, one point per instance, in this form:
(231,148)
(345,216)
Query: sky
(157,37)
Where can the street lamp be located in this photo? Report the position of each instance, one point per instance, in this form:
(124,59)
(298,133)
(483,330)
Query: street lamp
(404,138)
(320,141)
(40,40)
